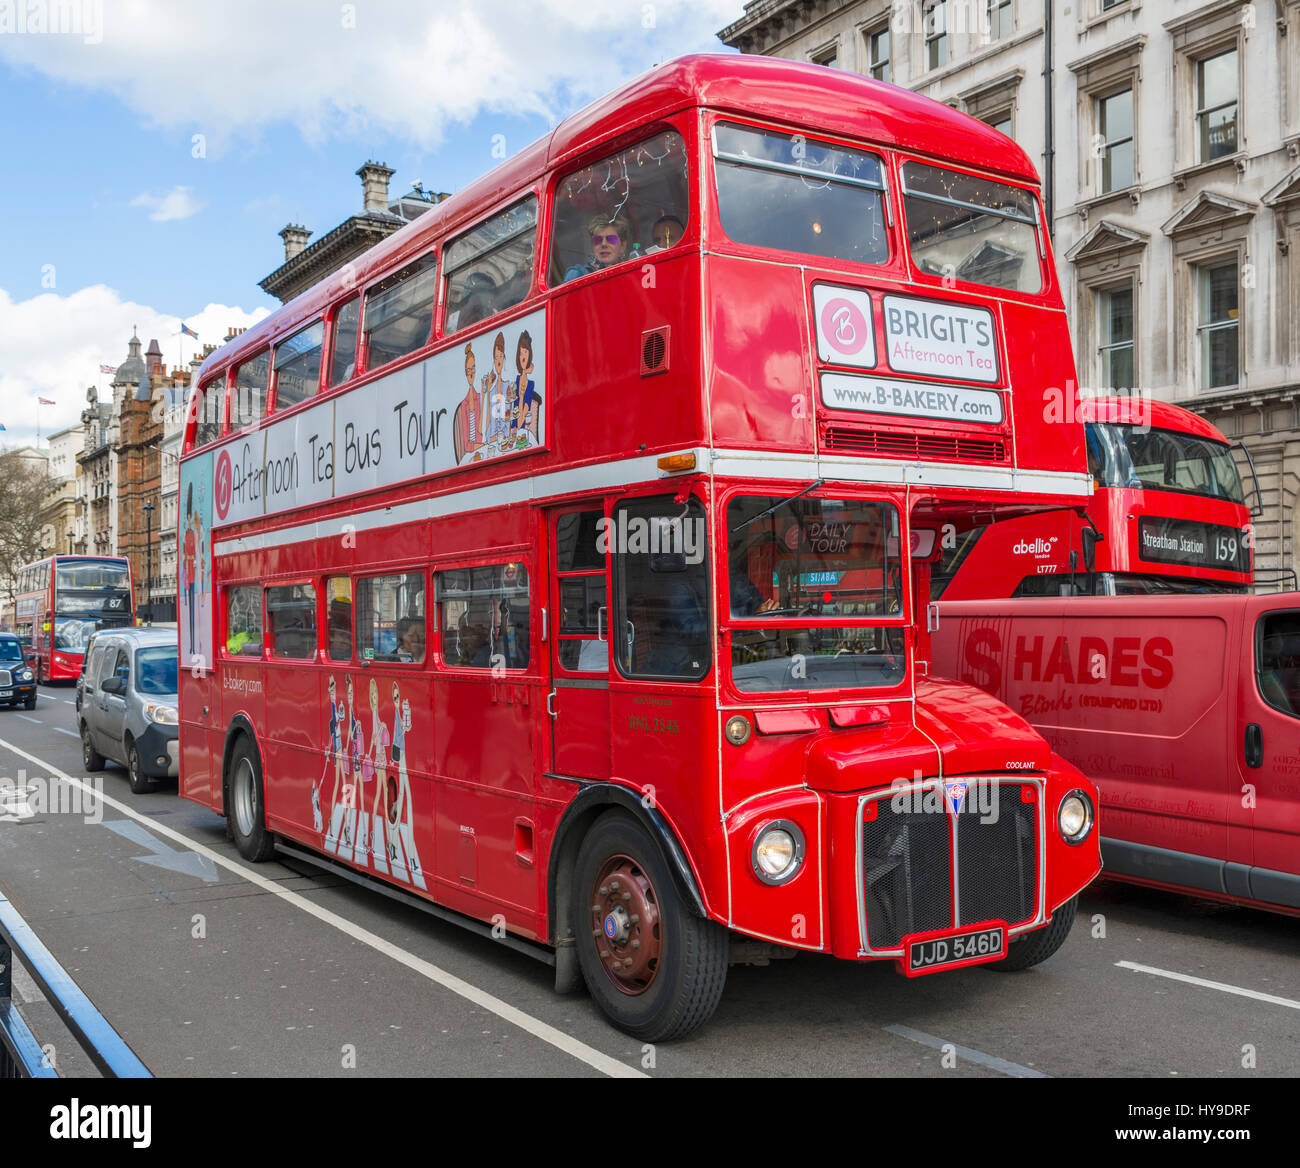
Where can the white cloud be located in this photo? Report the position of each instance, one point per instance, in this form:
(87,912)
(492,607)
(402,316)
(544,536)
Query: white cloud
(229,70)
(178,203)
(52,346)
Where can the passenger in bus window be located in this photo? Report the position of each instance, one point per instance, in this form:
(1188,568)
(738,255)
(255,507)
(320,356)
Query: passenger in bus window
(667,231)
(410,631)
(610,236)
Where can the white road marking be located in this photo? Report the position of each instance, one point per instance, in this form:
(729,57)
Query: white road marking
(25,718)
(61,730)
(971,1056)
(69,702)
(1272,999)
(504,1010)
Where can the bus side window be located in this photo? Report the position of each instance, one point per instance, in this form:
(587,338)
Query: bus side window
(338,601)
(244,621)
(580,567)
(297,366)
(662,595)
(390,618)
(484,617)
(626,206)
(343,359)
(399,312)
(291,621)
(248,399)
(490,267)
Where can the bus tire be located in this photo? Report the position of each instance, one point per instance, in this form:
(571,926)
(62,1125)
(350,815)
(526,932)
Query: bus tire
(654,969)
(247,812)
(91,759)
(1036,947)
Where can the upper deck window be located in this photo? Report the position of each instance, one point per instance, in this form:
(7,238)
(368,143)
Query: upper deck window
(248,401)
(787,192)
(399,312)
(971,229)
(297,366)
(490,268)
(624,207)
(208,404)
(343,362)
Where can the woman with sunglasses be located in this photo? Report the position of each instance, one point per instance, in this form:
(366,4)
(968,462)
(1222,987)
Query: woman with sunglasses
(610,237)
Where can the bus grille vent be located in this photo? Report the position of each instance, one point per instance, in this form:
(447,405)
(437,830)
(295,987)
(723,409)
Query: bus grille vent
(654,351)
(921,446)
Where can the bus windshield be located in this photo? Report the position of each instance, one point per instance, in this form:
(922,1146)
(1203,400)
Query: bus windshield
(1162,460)
(71,633)
(819,559)
(90,574)
(788,192)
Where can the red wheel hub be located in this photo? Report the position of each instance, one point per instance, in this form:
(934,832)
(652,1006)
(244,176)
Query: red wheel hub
(625,924)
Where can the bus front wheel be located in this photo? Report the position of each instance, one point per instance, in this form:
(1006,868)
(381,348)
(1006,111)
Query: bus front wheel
(654,969)
(1036,947)
(247,806)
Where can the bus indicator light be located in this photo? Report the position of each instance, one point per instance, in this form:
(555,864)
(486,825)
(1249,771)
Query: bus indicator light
(676,463)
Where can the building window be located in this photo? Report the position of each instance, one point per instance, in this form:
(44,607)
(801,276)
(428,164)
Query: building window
(1216,105)
(1107,5)
(999,19)
(829,58)
(1115,138)
(1216,327)
(936,34)
(878,55)
(1115,330)
(1001,122)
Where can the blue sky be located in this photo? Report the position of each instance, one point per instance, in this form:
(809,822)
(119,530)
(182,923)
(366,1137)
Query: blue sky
(110,220)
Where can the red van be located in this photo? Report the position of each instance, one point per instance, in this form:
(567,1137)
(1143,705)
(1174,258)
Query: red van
(1184,710)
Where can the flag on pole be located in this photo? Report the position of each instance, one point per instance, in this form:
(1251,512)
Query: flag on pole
(45,401)
(2,426)
(187,331)
(107,369)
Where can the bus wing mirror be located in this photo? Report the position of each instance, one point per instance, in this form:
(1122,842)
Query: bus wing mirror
(1257,507)
(1088,538)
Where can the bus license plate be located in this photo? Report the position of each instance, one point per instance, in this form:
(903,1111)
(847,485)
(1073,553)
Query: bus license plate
(931,953)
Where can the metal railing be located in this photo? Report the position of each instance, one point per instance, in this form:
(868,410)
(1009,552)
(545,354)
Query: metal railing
(21,1055)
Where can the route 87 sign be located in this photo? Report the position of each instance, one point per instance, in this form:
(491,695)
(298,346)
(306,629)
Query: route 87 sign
(845,333)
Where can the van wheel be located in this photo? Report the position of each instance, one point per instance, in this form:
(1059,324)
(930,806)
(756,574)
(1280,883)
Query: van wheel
(247,811)
(91,759)
(654,969)
(141,784)
(1037,947)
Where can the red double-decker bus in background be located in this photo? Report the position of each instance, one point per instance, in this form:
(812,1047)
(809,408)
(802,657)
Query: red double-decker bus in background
(61,600)
(1169,516)
(566,560)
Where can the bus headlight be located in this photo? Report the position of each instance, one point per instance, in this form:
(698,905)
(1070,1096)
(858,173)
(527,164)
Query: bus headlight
(1074,817)
(778,852)
(163,715)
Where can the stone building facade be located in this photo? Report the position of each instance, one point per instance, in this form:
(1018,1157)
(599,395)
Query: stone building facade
(1168,136)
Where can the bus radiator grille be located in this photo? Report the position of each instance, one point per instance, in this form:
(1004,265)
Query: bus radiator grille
(917,446)
(997,875)
(905,865)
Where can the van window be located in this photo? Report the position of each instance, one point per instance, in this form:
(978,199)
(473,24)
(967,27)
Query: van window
(248,399)
(490,267)
(1277,660)
(624,207)
(297,365)
(291,621)
(399,312)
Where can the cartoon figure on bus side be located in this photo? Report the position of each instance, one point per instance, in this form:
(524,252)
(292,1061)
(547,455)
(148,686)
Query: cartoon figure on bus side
(343,809)
(194,561)
(525,401)
(370,842)
(402,855)
(496,395)
(467,424)
(336,757)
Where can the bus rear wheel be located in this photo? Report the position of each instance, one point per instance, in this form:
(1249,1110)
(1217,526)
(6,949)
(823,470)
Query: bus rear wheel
(1035,948)
(247,806)
(654,969)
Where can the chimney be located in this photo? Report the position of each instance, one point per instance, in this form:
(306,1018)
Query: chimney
(153,356)
(374,185)
(295,238)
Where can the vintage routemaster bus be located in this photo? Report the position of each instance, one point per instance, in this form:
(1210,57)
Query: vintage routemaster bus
(565,559)
(61,600)
(1169,511)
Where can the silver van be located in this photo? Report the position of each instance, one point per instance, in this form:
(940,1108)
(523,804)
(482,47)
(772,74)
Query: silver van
(127,709)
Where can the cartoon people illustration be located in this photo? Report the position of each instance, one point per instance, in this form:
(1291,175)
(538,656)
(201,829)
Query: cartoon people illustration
(339,759)
(526,402)
(370,841)
(467,425)
(401,844)
(496,394)
(194,563)
(355,792)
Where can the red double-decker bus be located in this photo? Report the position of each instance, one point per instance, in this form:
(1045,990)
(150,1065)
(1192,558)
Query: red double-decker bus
(566,560)
(61,600)
(1168,516)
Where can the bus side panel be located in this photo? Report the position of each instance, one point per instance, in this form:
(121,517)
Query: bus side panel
(291,757)
(1138,703)
(200,778)
(760,378)
(1055,447)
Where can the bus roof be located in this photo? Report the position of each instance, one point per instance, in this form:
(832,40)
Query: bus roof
(1159,415)
(767,88)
